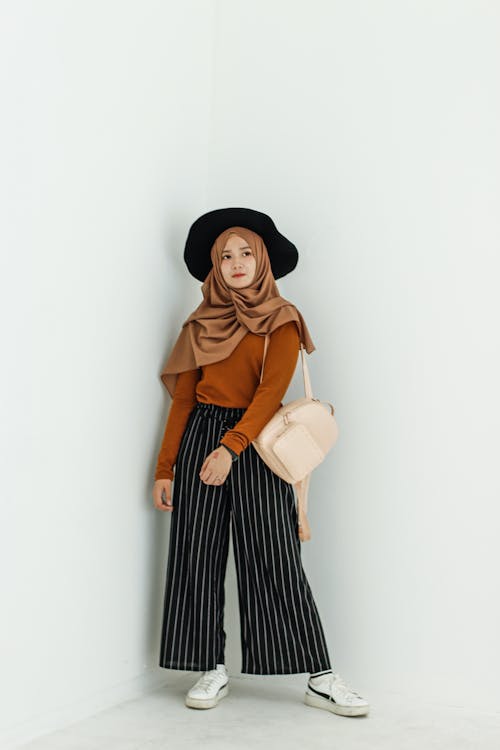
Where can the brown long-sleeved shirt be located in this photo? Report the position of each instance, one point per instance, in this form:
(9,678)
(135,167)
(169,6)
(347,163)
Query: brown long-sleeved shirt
(234,382)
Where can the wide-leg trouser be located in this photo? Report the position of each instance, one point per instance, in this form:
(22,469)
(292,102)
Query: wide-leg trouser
(281,631)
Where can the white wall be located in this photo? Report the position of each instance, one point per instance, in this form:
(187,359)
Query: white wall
(104,137)
(368,132)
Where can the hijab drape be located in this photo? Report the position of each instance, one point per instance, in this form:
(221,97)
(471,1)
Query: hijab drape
(226,314)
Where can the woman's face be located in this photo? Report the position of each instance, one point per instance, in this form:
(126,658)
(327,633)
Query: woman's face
(238,262)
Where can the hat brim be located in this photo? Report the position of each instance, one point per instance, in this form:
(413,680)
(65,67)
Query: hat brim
(283,254)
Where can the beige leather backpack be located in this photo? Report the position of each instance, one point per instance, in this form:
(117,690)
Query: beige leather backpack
(297,439)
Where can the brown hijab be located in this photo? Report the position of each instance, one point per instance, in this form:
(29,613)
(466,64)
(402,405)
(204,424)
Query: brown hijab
(226,314)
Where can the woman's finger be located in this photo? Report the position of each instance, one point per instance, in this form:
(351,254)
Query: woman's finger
(211,477)
(206,464)
(214,466)
(207,461)
(163,500)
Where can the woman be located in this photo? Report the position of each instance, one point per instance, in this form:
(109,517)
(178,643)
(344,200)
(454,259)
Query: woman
(219,406)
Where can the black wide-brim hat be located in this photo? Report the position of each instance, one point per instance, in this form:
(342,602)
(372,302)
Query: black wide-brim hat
(282,253)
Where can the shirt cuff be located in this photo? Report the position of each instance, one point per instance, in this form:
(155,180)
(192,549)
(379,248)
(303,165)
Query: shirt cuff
(164,474)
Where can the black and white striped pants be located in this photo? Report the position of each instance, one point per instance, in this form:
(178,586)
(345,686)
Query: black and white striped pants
(281,631)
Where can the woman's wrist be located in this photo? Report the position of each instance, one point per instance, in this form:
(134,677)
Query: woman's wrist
(234,456)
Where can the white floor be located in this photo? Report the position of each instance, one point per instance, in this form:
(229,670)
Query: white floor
(270,710)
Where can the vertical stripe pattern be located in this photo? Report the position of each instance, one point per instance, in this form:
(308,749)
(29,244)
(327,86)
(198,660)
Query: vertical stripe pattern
(281,631)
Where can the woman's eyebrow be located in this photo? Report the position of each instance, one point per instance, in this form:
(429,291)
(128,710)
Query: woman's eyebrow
(243,247)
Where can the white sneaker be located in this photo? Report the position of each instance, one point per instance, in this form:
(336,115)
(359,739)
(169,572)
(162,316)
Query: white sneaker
(330,692)
(209,688)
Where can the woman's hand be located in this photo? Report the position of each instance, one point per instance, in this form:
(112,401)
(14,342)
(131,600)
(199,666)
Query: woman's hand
(216,466)
(163,487)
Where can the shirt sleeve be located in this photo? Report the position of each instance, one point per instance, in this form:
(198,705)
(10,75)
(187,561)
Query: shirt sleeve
(279,366)
(181,407)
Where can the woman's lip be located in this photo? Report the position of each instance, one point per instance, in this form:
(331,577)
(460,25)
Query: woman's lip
(237,274)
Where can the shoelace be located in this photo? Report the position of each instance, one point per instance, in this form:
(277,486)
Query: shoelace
(208,678)
(348,694)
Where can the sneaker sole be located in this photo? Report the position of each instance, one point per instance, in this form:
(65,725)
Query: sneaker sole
(207,702)
(318,702)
